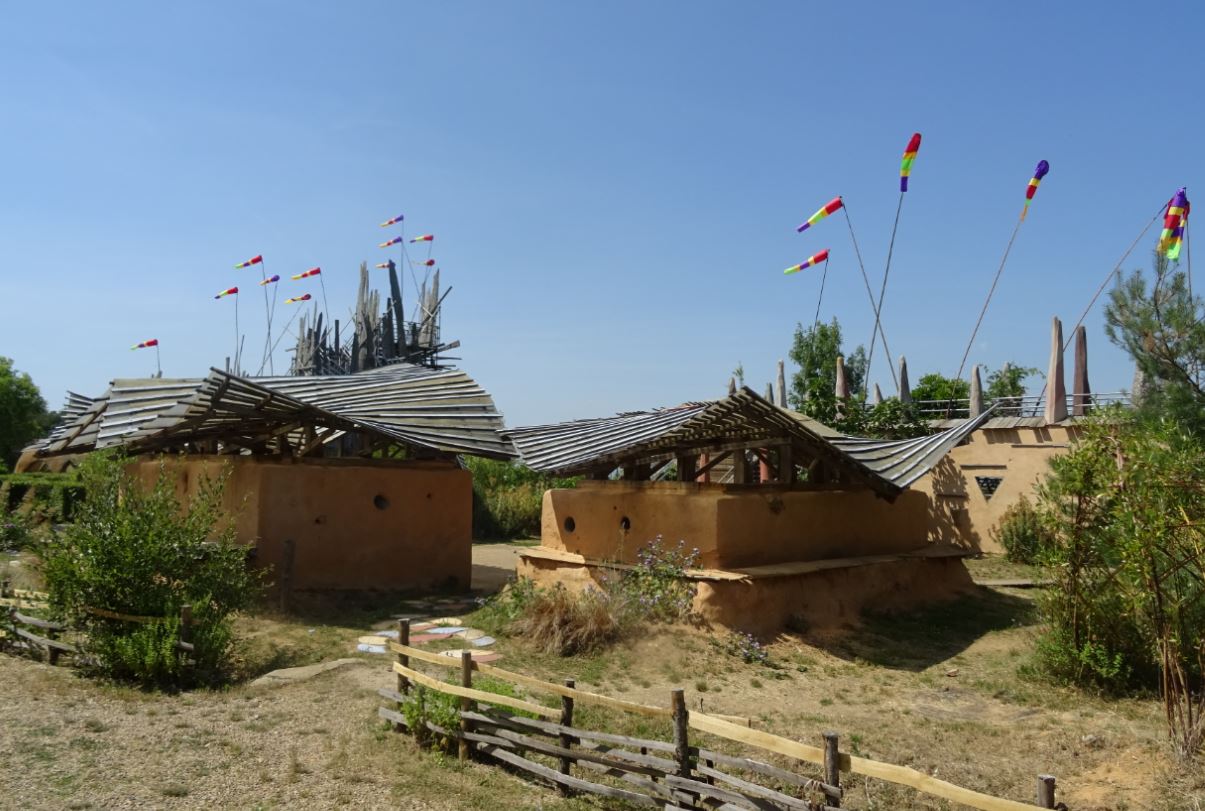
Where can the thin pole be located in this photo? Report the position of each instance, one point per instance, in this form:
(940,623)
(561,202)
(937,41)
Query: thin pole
(158,366)
(820,298)
(988,300)
(263,274)
(325,308)
(237,366)
(870,296)
(285,331)
(1115,271)
(878,310)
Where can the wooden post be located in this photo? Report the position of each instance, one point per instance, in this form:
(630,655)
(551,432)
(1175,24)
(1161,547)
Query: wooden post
(566,739)
(466,704)
(4,587)
(1045,791)
(681,727)
(186,623)
(403,638)
(832,765)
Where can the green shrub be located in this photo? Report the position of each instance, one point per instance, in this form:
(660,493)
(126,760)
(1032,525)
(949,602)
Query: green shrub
(1021,533)
(47,498)
(137,550)
(508,497)
(14,531)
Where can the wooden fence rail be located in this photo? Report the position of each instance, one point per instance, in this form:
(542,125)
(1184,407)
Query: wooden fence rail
(682,775)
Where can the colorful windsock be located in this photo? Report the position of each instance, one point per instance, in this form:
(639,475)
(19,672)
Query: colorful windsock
(229,291)
(255,260)
(270,280)
(393,241)
(146,344)
(308,273)
(1173,224)
(1038,173)
(295,299)
(829,207)
(814,259)
(909,156)
(392,221)
(424,238)
(428,263)
(383,265)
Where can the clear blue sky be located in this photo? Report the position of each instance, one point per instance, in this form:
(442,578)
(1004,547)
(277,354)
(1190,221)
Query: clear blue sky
(614,186)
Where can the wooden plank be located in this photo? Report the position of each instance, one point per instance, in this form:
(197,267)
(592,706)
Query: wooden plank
(765,769)
(536,684)
(900,775)
(392,715)
(716,793)
(35,622)
(525,742)
(756,790)
(44,642)
(479,695)
(563,779)
(26,594)
(555,730)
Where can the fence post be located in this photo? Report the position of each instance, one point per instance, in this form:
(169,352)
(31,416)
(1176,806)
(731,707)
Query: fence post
(403,638)
(186,623)
(5,587)
(832,766)
(466,704)
(1045,791)
(566,739)
(681,725)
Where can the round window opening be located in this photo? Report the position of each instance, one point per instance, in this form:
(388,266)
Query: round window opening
(570,524)
(625,523)
(380,502)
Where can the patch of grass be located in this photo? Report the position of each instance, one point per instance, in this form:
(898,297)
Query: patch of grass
(173,790)
(701,686)
(755,683)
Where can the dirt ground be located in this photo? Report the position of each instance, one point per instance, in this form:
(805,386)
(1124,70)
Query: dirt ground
(943,691)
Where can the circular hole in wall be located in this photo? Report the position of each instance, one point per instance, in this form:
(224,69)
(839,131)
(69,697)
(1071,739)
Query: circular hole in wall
(570,524)
(380,502)
(625,523)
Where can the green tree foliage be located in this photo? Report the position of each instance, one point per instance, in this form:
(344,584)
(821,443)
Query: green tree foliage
(1008,381)
(139,551)
(815,352)
(936,386)
(508,498)
(1124,513)
(23,416)
(1162,327)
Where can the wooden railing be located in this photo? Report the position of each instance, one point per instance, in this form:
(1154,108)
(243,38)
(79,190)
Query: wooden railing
(681,775)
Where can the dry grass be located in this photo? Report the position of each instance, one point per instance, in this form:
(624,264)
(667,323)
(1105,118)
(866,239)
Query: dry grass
(560,622)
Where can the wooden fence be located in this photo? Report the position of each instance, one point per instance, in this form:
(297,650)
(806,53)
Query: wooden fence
(45,634)
(671,774)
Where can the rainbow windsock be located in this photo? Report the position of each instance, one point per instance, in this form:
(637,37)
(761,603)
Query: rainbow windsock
(1038,173)
(829,207)
(384,265)
(255,260)
(424,238)
(270,280)
(1173,224)
(428,263)
(392,221)
(393,241)
(814,259)
(229,291)
(295,299)
(307,274)
(146,344)
(909,156)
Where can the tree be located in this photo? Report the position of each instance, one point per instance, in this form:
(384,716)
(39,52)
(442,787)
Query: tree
(936,386)
(1009,381)
(1163,330)
(815,351)
(23,414)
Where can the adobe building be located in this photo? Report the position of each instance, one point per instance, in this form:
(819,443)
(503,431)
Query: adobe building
(809,523)
(339,482)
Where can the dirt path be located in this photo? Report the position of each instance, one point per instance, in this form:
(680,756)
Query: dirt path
(494,565)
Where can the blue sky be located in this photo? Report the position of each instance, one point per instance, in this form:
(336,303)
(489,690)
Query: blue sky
(614,186)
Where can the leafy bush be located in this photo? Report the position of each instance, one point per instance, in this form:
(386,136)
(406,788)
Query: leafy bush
(508,497)
(744,647)
(47,498)
(137,550)
(1021,533)
(1124,511)
(14,531)
(657,588)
